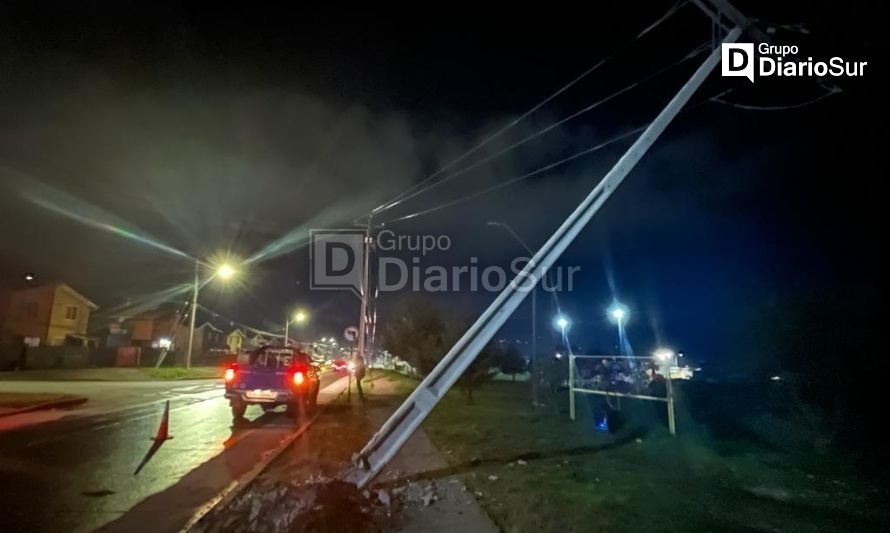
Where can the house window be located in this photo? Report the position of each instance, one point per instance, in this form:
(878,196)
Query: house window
(71,312)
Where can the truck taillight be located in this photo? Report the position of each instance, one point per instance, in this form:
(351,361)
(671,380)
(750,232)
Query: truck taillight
(229,375)
(298,378)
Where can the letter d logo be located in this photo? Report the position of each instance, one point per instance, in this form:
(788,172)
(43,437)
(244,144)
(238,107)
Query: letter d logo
(738,60)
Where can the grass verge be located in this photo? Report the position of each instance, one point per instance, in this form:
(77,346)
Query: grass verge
(535,470)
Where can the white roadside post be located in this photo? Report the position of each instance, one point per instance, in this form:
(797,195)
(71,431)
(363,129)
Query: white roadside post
(571,385)
(672,426)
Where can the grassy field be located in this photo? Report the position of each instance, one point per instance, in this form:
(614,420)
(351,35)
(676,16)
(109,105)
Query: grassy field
(534,470)
(396,383)
(113,374)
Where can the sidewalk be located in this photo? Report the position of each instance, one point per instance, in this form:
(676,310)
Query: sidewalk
(14,403)
(434,505)
(302,489)
(428,505)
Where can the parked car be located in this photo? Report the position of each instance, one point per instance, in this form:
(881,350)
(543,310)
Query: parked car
(339,365)
(271,376)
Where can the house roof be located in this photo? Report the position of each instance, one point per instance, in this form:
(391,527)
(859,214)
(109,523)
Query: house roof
(65,287)
(211,326)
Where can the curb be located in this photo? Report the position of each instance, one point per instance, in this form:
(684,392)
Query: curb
(237,486)
(67,401)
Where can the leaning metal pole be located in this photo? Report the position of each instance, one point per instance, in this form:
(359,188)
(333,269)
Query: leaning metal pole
(401,425)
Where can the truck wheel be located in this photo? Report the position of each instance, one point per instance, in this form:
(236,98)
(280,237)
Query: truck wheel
(238,409)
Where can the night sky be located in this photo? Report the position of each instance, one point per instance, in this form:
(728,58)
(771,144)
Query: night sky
(215,129)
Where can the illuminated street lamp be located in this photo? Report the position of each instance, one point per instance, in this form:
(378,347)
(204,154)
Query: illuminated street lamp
(618,313)
(299,317)
(663,354)
(224,272)
(562,322)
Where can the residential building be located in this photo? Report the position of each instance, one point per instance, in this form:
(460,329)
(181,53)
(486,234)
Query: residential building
(50,315)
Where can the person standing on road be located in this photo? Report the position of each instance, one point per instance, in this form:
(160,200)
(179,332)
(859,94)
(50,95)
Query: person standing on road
(359,372)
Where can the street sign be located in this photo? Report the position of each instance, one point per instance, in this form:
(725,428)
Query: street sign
(350,333)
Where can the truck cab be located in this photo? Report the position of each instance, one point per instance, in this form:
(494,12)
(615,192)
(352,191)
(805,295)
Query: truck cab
(271,376)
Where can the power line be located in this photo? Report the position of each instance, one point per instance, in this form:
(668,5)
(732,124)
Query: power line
(522,177)
(398,198)
(829,91)
(548,166)
(697,50)
(240,324)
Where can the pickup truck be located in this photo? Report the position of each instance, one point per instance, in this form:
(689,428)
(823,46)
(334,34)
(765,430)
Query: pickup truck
(271,376)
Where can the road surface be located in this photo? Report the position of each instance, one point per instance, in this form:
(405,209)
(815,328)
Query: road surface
(74,471)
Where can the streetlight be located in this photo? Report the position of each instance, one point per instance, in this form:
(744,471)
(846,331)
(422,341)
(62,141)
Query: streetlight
(619,314)
(299,317)
(663,354)
(534,308)
(224,271)
(562,323)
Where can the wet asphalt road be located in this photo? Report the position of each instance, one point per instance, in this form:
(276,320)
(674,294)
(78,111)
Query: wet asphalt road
(76,473)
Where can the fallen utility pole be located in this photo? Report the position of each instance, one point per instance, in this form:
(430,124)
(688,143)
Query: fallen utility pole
(401,425)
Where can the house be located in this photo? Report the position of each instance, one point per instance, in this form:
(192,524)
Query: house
(235,341)
(48,315)
(208,338)
(166,328)
(152,329)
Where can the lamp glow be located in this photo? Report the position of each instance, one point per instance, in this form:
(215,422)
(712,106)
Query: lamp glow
(663,354)
(225,271)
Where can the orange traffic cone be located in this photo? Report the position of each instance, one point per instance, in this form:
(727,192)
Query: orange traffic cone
(164,429)
(162,435)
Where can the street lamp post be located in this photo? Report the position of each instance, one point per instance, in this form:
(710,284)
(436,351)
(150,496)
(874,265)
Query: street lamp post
(562,322)
(224,271)
(534,312)
(299,317)
(619,314)
(188,356)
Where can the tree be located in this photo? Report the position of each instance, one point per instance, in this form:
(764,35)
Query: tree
(416,333)
(511,361)
(478,372)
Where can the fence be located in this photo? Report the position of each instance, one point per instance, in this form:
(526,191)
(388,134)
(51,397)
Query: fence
(621,376)
(18,356)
